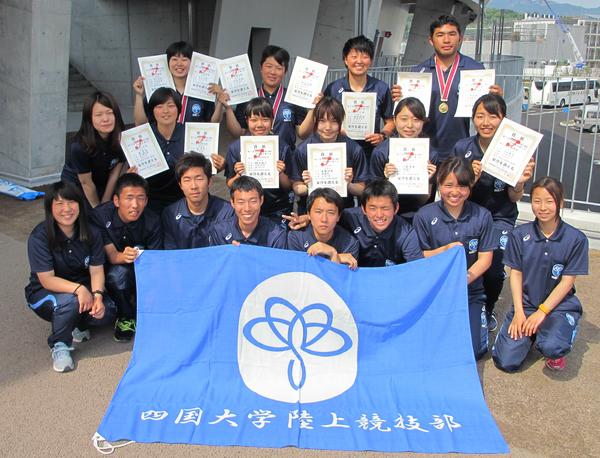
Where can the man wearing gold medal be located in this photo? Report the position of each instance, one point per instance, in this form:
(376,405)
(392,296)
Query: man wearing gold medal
(443,129)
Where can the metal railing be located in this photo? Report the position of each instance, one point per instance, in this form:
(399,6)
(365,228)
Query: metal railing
(566,151)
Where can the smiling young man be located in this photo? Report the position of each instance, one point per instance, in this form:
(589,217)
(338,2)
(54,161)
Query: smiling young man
(358,53)
(444,130)
(127,227)
(385,238)
(323,237)
(186,223)
(247,226)
(287,118)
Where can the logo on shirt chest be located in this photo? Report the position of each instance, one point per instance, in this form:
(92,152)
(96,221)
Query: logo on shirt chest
(503,241)
(196,109)
(228,236)
(499,185)
(473,245)
(287,114)
(306,245)
(357,230)
(468,154)
(527,237)
(178,217)
(557,271)
(108,223)
(434,221)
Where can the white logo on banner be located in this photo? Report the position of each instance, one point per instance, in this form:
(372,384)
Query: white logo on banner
(297,340)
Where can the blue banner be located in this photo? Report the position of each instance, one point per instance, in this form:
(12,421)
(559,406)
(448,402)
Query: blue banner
(269,348)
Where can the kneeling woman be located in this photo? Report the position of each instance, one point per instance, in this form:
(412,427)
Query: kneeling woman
(545,256)
(456,221)
(66,285)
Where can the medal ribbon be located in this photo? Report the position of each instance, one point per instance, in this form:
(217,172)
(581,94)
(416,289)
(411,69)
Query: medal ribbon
(277,101)
(184,101)
(445,85)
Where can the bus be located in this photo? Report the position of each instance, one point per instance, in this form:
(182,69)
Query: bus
(562,91)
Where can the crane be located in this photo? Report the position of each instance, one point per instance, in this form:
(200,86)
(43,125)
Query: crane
(579,62)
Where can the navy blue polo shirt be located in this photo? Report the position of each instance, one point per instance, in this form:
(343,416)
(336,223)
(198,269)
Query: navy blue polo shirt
(408,203)
(276,200)
(543,261)
(196,110)
(70,261)
(385,106)
(99,163)
(267,233)
(144,233)
(489,192)
(444,129)
(183,230)
(164,189)
(396,245)
(355,158)
(288,116)
(341,240)
(435,227)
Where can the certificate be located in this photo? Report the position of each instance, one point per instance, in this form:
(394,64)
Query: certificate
(510,150)
(473,84)
(143,151)
(416,85)
(326,165)
(410,156)
(259,155)
(237,78)
(306,82)
(360,108)
(203,71)
(202,137)
(155,70)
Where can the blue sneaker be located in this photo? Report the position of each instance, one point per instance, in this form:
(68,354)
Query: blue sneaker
(61,355)
(81,336)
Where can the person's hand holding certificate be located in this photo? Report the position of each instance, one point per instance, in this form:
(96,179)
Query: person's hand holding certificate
(360,108)
(473,84)
(237,79)
(259,155)
(203,72)
(410,156)
(306,82)
(510,150)
(416,85)
(326,166)
(202,137)
(155,71)
(143,151)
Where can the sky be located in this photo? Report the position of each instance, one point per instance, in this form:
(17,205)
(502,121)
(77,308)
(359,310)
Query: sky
(585,3)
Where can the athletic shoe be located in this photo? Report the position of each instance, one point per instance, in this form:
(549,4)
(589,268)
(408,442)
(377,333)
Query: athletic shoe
(61,355)
(492,322)
(557,364)
(81,336)
(124,330)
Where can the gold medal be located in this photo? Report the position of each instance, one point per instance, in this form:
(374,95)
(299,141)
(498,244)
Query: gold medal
(443,107)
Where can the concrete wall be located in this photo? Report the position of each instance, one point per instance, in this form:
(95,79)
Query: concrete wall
(334,25)
(291,23)
(33,88)
(107,37)
(393,19)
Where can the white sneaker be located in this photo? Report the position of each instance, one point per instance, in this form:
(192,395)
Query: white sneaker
(81,336)
(61,355)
